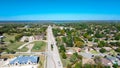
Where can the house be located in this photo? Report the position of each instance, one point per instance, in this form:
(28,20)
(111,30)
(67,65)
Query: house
(32,38)
(24,60)
(86,55)
(106,62)
(1,37)
(39,37)
(27,26)
(24,38)
(88,61)
(118,57)
(114,60)
(107,48)
(70,51)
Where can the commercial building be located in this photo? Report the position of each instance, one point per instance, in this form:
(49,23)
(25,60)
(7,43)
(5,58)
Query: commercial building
(24,60)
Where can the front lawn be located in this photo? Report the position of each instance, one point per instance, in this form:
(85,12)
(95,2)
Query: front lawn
(38,46)
(24,49)
(94,52)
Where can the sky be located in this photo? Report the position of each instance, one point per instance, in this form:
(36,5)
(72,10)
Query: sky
(59,9)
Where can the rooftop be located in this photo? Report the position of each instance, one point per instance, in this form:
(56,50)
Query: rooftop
(24,59)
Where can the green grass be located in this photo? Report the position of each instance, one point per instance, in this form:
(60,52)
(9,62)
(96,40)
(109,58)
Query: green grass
(38,46)
(41,61)
(14,46)
(113,52)
(24,49)
(65,62)
(9,37)
(94,52)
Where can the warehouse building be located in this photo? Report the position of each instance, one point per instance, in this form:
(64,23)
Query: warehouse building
(20,60)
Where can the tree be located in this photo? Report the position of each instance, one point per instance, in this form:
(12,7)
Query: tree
(62,48)
(78,65)
(102,50)
(101,44)
(86,35)
(90,39)
(11,41)
(64,39)
(117,50)
(76,54)
(98,35)
(115,65)
(63,55)
(118,44)
(97,59)
(96,40)
(62,32)
(69,66)
(79,44)
(117,37)
(69,41)
(59,40)
(88,66)
(17,37)
(74,57)
(77,39)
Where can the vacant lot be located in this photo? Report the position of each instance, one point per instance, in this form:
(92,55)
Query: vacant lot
(11,45)
(39,46)
(9,37)
(14,46)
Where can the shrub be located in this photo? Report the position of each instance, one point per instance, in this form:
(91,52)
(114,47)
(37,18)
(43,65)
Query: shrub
(117,50)
(102,50)
(11,41)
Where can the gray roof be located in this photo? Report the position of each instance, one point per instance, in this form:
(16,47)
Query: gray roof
(114,60)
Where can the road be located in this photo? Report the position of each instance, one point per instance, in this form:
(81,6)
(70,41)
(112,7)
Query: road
(53,58)
(25,53)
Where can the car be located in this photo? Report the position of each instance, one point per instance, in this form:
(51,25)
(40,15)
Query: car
(59,63)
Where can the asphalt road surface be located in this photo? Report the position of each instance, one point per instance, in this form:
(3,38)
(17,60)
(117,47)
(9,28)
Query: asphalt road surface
(53,58)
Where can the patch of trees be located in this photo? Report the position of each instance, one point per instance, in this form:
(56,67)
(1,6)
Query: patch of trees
(62,48)
(56,32)
(98,35)
(78,42)
(19,28)
(102,44)
(10,51)
(11,41)
(95,66)
(102,50)
(115,44)
(76,61)
(7,28)
(86,35)
(62,51)
(117,37)
(68,40)
(18,37)
(2,49)
(117,50)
